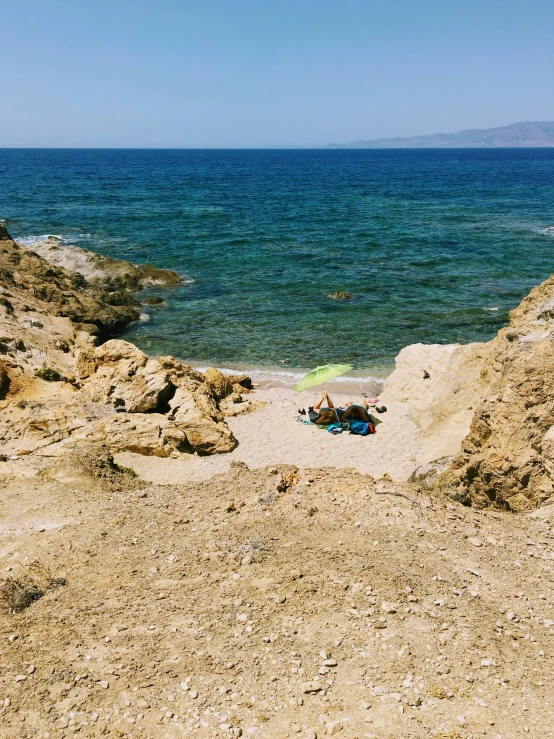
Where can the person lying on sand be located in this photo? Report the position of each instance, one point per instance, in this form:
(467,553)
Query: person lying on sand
(313,412)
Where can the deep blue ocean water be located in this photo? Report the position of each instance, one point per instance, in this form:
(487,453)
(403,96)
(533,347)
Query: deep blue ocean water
(433,245)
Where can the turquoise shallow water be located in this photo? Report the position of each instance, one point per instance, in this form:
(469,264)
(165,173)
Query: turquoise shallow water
(434,246)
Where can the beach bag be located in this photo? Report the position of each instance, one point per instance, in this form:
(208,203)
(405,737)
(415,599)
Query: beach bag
(361,428)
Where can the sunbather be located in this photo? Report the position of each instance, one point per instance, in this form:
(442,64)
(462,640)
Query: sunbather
(360,419)
(318,413)
(314,412)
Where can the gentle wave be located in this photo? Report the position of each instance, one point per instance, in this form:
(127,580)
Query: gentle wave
(67,240)
(290,376)
(187,279)
(547,231)
(32,240)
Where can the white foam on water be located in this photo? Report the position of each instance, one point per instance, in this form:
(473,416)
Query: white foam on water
(289,377)
(547,231)
(144,317)
(31,240)
(185,279)
(67,240)
(492,309)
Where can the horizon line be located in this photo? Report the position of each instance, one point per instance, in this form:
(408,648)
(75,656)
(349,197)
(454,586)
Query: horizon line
(291,147)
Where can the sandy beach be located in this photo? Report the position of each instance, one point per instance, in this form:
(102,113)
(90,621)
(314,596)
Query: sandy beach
(274,435)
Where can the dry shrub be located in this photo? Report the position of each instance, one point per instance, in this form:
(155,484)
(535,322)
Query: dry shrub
(17,594)
(437,691)
(253,550)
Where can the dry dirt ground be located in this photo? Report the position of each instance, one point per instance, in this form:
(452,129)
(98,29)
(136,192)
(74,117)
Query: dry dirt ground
(271,603)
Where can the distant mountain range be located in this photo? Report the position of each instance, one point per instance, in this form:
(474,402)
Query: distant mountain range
(526,134)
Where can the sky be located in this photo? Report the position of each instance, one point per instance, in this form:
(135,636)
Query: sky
(262,73)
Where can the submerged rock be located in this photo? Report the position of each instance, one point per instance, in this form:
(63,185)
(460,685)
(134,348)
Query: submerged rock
(340,295)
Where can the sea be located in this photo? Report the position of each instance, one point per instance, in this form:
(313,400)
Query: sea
(432,246)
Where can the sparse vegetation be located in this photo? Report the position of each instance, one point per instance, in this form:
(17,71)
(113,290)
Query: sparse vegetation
(267,498)
(48,374)
(125,470)
(18,594)
(252,551)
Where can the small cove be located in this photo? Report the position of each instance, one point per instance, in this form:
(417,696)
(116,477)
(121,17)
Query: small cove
(432,246)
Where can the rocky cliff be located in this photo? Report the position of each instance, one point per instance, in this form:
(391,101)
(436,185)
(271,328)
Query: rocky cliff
(60,384)
(508,456)
(490,406)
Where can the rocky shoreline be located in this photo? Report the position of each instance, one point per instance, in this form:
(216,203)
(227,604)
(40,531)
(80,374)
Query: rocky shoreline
(490,406)
(62,382)
(483,412)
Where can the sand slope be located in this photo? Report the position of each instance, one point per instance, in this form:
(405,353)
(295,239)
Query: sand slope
(273,605)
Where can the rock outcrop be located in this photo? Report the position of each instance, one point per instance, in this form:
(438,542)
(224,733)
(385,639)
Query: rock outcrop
(44,288)
(507,459)
(60,385)
(98,269)
(442,384)
(489,405)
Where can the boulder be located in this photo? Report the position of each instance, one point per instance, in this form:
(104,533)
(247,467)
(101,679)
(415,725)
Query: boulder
(129,381)
(151,434)
(47,425)
(85,363)
(145,391)
(241,382)
(204,434)
(219,384)
(116,350)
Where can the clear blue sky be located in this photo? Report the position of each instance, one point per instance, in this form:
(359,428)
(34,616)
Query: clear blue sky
(242,73)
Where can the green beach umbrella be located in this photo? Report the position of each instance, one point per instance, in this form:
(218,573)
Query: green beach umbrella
(322,374)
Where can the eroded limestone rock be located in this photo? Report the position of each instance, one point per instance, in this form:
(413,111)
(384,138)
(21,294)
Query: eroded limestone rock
(51,318)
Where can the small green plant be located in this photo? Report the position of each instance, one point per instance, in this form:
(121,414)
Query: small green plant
(47,373)
(126,470)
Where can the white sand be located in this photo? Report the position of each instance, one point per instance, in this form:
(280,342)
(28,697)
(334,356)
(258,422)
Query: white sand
(271,435)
